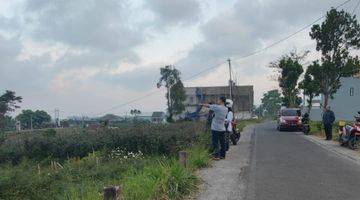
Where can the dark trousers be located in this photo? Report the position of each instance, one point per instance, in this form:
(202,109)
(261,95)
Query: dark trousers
(218,137)
(328,131)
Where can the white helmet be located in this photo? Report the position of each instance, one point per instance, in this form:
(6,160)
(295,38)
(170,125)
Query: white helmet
(229,103)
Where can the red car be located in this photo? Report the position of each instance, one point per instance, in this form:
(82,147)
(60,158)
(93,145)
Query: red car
(289,119)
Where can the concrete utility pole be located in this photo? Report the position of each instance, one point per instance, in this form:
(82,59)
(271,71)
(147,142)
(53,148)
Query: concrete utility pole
(57,117)
(31,122)
(230,81)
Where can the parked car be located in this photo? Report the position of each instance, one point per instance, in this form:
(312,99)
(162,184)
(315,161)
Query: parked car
(289,119)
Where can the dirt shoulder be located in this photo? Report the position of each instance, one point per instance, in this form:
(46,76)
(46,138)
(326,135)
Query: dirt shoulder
(225,179)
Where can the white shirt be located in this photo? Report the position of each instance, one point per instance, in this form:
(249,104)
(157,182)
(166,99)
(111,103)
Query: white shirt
(218,122)
(229,119)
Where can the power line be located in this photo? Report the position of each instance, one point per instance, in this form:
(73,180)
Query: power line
(155,92)
(289,36)
(215,66)
(356,7)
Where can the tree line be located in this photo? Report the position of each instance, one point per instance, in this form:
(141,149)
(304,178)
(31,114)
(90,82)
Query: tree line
(335,38)
(28,119)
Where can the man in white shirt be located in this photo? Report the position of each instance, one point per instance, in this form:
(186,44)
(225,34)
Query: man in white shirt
(218,128)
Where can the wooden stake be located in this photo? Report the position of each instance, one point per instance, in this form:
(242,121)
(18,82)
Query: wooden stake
(183,156)
(39,169)
(113,193)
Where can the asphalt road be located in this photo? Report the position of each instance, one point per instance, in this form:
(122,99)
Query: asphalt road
(286,166)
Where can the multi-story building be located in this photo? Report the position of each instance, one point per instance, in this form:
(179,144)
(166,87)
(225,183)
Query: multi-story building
(243,97)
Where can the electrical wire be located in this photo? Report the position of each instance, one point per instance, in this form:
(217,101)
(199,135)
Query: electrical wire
(289,36)
(356,7)
(219,64)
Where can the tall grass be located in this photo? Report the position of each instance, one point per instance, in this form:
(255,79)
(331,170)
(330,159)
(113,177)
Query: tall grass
(143,176)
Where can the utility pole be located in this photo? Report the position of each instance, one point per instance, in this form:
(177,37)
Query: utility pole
(57,117)
(230,81)
(31,122)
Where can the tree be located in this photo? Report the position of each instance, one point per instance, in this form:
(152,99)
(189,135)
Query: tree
(37,119)
(8,103)
(289,69)
(135,112)
(335,37)
(310,85)
(175,90)
(271,103)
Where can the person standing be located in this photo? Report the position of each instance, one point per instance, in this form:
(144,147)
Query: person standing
(228,123)
(218,128)
(328,120)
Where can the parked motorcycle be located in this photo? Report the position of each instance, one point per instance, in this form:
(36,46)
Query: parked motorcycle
(349,135)
(305,123)
(235,135)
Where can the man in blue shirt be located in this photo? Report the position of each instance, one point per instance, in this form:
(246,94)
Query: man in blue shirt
(328,120)
(218,127)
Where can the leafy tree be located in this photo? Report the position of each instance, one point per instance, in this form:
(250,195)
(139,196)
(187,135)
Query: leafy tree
(258,110)
(7,123)
(335,37)
(39,118)
(175,90)
(271,103)
(310,85)
(135,112)
(289,69)
(8,103)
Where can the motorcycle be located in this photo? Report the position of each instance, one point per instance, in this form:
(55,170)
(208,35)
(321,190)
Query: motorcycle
(350,135)
(305,123)
(235,135)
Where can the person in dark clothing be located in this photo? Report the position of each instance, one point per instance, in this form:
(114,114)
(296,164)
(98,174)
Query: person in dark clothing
(328,120)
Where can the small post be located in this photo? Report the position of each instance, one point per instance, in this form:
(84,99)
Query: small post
(39,169)
(113,193)
(97,161)
(183,156)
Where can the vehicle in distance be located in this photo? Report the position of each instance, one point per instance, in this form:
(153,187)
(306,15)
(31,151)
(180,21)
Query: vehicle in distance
(289,119)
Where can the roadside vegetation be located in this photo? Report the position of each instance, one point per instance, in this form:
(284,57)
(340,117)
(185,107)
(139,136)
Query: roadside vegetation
(317,129)
(78,164)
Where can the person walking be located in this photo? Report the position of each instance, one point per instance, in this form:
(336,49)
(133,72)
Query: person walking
(228,123)
(218,128)
(328,120)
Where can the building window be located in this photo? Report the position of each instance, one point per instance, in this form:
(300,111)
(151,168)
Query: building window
(351,91)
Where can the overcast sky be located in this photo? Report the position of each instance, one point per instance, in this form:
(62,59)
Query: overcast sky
(87,57)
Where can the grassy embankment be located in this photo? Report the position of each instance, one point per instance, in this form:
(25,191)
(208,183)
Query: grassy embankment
(142,159)
(317,129)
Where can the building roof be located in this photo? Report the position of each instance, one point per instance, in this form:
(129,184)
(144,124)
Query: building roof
(216,90)
(158,114)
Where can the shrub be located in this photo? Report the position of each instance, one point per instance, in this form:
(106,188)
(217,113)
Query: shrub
(147,138)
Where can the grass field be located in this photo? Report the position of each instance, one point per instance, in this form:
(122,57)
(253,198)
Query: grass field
(143,160)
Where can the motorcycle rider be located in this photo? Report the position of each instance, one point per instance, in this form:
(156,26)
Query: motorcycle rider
(228,122)
(328,120)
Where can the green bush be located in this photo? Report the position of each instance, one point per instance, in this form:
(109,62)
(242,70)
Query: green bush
(147,138)
(154,174)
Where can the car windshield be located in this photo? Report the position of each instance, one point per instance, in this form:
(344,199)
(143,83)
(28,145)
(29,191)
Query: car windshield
(287,112)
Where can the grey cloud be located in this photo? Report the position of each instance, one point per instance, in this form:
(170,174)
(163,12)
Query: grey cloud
(89,24)
(246,27)
(22,75)
(141,79)
(175,12)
